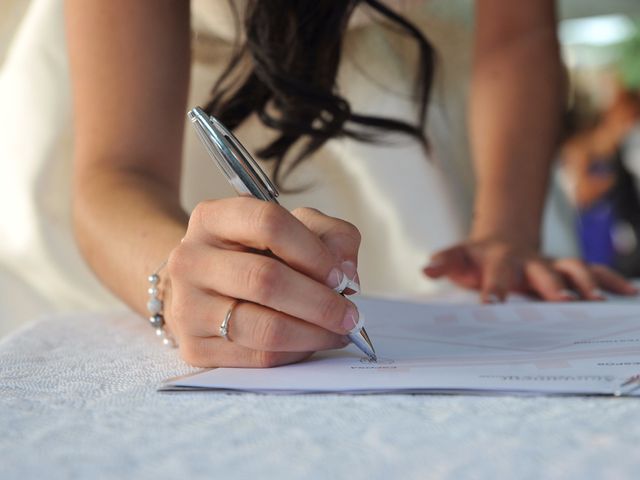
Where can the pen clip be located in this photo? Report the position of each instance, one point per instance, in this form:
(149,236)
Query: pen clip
(242,171)
(242,152)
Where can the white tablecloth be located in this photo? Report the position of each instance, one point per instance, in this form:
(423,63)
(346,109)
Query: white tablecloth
(78,399)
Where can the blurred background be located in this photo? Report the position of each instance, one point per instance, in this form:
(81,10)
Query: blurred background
(11,12)
(599,160)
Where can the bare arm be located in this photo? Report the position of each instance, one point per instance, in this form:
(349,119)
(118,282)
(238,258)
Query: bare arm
(515,111)
(130,71)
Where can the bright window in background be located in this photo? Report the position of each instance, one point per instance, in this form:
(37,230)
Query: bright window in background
(603,42)
(603,30)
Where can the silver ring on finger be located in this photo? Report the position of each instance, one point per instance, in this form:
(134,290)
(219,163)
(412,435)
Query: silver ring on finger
(224,326)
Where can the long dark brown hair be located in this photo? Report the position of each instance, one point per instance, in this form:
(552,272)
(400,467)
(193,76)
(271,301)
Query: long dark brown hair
(293,51)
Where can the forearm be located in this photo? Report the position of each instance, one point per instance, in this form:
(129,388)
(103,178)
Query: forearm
(515,114)
(129,65)
(126,224)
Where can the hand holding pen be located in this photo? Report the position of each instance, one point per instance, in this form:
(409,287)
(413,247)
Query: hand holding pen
(232,305)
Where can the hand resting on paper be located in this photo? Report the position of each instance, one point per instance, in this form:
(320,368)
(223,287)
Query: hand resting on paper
(288,308)
(496,266)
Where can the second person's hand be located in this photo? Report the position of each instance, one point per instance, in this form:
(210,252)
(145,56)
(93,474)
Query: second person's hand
(496,267)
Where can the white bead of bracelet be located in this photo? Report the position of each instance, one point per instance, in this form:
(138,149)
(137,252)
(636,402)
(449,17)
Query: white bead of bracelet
(155,307)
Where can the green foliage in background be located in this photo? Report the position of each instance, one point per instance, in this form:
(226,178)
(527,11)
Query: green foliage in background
(630,61)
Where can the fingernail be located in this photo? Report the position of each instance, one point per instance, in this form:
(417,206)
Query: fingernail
(351,272)
(568,295)
(336,279)
(349,268)
(599,294)
(351,317)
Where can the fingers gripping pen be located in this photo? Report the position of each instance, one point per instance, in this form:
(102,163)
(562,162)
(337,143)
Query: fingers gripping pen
(248,179)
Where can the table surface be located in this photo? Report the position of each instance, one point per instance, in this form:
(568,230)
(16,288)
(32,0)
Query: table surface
(78,399)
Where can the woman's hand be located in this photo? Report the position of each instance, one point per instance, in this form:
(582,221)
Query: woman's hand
(288,307)
(498,266)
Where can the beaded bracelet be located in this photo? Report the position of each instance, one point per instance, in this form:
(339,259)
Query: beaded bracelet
(155,307)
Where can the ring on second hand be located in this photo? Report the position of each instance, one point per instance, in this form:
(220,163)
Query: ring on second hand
(224,326)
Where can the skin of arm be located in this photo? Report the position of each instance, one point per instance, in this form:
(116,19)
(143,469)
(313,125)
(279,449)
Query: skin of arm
(132,57)
(517,98)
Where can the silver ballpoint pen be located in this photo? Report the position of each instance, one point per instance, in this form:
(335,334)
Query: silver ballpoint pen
(248,179)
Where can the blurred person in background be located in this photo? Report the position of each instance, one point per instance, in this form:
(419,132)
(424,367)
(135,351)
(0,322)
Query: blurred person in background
(598,160)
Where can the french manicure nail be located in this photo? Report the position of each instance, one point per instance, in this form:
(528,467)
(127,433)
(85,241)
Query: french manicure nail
(351,316)
(349,268)
(351,272)
(596,292)
(335,279)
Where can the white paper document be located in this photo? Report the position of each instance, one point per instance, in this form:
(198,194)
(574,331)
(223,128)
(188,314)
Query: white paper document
(527,348)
